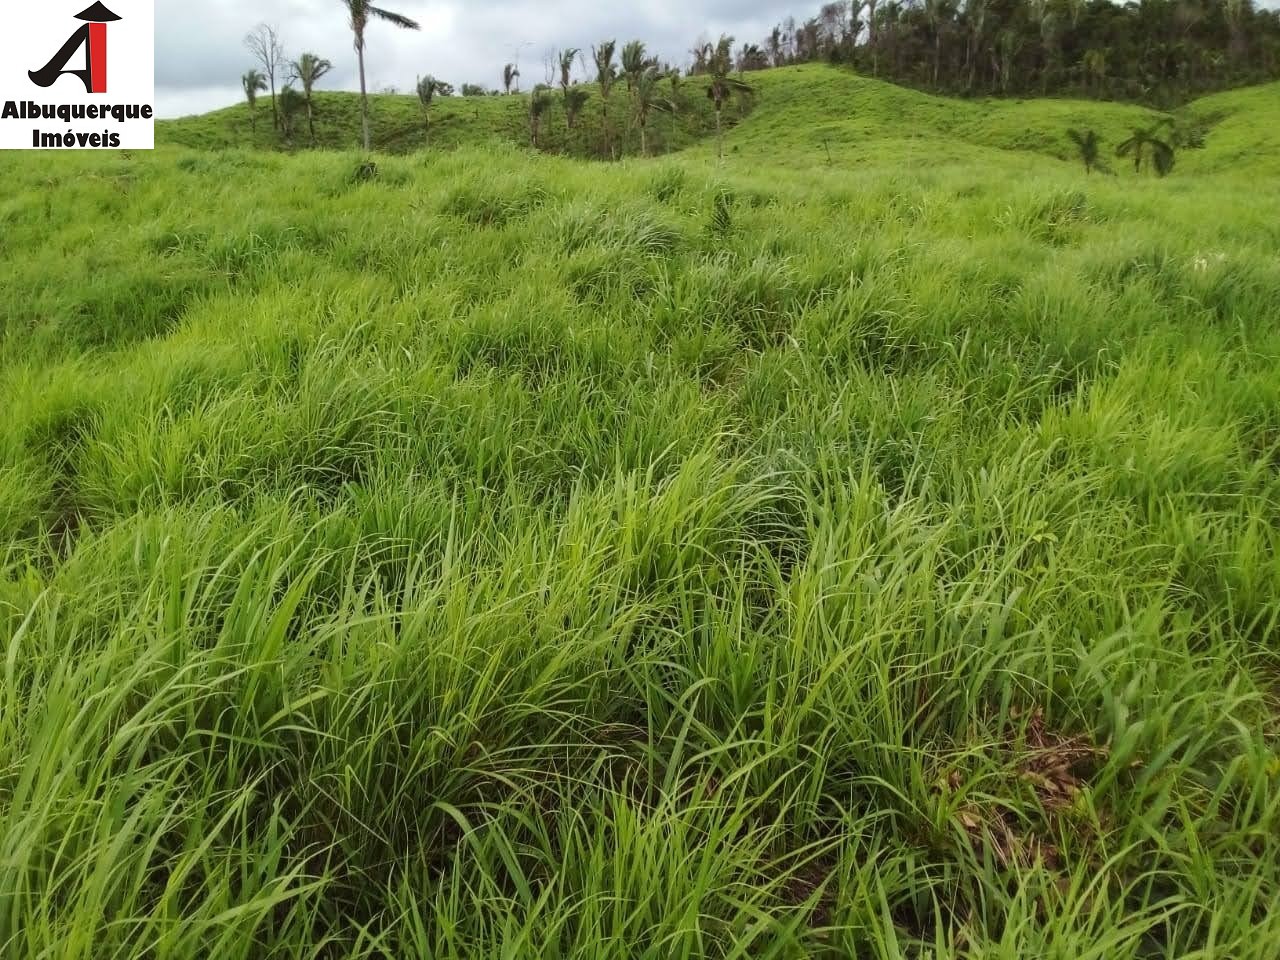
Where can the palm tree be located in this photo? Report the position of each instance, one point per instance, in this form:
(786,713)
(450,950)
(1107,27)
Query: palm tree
(566,67)
(308,69)
(700,54)
(511,77)
(1162,157)
(572,104)
(647,100)
(428,87)
(1144,145)
(539,104)
(719,64)
(360,12)
(634,63)
(1087,144)
(575,98)
(253,83)
(606,75)
(674,76)
(751,57)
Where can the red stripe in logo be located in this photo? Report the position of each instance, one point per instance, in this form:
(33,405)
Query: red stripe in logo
(98,56)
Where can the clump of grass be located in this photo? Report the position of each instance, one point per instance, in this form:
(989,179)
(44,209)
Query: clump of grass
(669,183)
(721,222)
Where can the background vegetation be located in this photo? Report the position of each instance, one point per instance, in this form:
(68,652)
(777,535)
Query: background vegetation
(398,125)
(1160,52)
(866,546)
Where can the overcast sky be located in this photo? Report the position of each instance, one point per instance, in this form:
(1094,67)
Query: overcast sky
(200,52)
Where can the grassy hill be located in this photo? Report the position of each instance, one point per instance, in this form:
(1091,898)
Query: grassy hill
(1245,132)
(805,110)
(516,556)
(801,116)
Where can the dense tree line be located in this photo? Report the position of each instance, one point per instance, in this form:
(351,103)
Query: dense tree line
(1157,51)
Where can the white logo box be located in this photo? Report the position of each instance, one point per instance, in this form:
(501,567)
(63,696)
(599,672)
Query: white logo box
(78,75)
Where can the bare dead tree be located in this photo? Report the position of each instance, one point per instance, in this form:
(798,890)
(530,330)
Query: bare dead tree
(264,43)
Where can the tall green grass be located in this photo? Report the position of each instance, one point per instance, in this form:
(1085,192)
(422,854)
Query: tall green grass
(510,557)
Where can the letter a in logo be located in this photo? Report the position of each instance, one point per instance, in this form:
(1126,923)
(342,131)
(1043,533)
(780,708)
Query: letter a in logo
(94,35)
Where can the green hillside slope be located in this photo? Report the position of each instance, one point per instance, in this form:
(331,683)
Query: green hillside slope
(1244,133)
(802,116)
(805,111)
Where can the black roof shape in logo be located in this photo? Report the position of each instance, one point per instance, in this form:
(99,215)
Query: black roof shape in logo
(97,14)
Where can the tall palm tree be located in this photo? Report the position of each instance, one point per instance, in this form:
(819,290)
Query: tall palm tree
(539,104)
(700,54)
(428,87)
(719,64)
(573,103)
(1087,145)
(510,78)
(253,83)
(360,12)
(649,99)
(634,63)
(308,70)
(1144,145)
(566,67)
(674,76)
(606,75)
